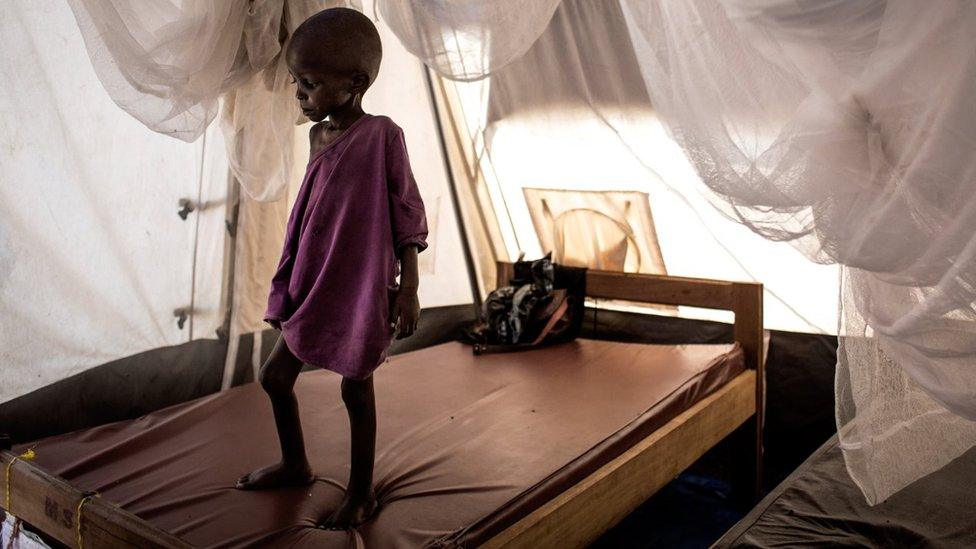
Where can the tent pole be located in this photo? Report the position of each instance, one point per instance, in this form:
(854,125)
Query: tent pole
(225,334)
(466,245)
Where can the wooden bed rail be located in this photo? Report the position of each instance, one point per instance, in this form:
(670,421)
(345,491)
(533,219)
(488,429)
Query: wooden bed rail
(51,505)
(744,299)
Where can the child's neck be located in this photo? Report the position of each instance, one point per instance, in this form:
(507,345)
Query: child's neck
(345,116)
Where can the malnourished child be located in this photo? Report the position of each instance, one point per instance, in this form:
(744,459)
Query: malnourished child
(358,222)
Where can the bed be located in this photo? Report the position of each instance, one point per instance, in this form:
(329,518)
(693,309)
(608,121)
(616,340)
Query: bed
(819,505)
(538,448)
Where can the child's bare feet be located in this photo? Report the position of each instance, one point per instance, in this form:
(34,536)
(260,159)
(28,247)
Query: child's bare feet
(277,475)
(353,511)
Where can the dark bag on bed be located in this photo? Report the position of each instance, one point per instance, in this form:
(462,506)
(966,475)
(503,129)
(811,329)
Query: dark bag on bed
(542,304)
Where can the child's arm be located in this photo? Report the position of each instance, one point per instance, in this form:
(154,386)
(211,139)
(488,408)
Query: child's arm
(409,224)
(406,307)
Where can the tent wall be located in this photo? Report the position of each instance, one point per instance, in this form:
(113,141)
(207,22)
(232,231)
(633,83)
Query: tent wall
(401,93)
(474,205)
(94,260)
(573,114)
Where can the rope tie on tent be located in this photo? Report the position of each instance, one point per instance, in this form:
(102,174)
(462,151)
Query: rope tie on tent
(87,497)
(26,456)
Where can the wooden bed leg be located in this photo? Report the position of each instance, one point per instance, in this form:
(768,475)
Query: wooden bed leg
(758,455)
(745,479)
(5,445)
(748,309)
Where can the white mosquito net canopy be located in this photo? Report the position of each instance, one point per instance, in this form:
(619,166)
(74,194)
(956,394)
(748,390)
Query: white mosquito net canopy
(844,128)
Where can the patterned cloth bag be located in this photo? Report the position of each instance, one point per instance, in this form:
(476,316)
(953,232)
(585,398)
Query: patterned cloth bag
(542,304)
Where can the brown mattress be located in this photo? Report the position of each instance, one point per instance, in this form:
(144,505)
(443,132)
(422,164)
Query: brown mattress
(466,446)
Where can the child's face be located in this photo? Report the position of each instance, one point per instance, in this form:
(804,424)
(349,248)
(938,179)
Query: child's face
(320,90)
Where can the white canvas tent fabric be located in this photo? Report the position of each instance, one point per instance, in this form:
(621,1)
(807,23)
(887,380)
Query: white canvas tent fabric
(401,92)
(94,259)
(847,129)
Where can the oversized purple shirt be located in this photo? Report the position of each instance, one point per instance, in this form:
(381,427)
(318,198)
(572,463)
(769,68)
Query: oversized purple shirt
(358,206)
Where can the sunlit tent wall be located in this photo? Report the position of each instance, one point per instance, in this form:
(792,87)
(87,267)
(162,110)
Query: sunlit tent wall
(574,158)
(626,135)
(96,258)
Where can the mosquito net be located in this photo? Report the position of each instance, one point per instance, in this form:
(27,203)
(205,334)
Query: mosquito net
(844,128)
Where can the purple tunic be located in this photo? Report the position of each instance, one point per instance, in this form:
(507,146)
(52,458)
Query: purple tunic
(358,206)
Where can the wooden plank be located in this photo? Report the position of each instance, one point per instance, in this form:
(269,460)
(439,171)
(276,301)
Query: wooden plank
(646,288)
(747,305)
(579,515)
(46,502)
(748,330)
(663,290)
(50,504)
(503,272)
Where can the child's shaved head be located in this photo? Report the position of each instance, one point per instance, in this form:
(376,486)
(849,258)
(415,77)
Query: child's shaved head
(341,39)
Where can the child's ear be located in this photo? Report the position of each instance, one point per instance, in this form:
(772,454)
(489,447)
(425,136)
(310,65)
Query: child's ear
(360,81)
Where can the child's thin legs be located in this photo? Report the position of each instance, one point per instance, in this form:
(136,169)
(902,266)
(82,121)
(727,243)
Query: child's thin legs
(359,501)
(361,406)
(277,377)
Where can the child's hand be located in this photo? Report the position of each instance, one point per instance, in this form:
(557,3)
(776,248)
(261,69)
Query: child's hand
(406,312)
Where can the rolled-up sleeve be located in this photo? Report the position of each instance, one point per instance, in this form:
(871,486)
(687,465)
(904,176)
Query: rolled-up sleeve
(407,216)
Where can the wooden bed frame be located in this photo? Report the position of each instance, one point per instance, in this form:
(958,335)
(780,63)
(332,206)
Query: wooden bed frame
(574,518)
